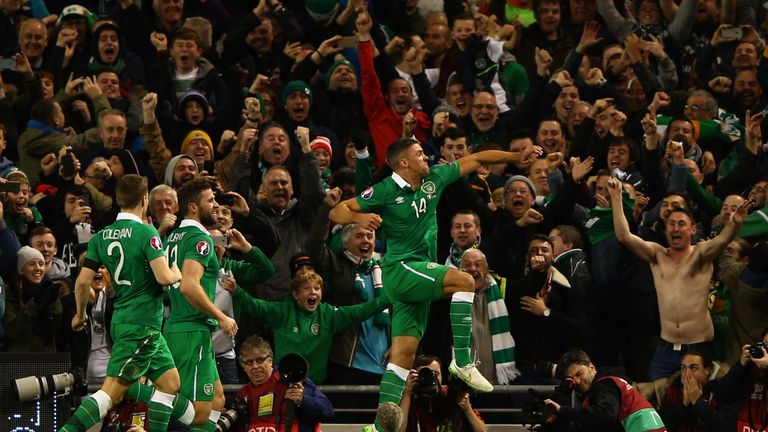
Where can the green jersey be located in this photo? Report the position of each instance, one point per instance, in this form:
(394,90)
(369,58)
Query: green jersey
(191,241)
(409,221)
(126,248)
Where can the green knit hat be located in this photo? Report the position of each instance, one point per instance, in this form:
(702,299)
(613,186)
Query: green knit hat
(336,64)
(295,86)
(321,10)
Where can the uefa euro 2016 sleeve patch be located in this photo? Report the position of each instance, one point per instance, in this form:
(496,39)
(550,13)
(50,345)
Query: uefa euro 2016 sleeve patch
(367,194)
(203,248)
(156,243)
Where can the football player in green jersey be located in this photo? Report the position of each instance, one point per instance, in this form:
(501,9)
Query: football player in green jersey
(193,315)
(133,254)
(404,206)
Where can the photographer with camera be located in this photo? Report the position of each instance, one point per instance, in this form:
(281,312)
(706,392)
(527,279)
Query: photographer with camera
(609,403)
(745,383)
(266,395)
(429,406)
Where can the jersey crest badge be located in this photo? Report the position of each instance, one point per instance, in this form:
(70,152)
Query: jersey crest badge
(208,389)
(432,265)
(203,248)
(367,194)
(315,328)
(156,243)
(428,187)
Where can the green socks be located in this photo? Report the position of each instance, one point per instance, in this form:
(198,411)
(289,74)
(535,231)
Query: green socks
(210,426)
(160,406)
(461,326)
(392,385)
(90,412)
(180,407)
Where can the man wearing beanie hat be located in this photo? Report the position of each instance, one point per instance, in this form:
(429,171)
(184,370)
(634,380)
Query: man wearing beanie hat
(339,104)
(321,10)
(510,228)
(198,144)
(296,99)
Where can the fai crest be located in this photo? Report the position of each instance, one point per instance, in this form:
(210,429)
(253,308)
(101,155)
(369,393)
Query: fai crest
(208,389)
(432,265)
(428,187)
(156,243)
(315,328)
(367,194)
(203,248)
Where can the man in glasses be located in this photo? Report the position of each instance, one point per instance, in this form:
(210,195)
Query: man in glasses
(266,394)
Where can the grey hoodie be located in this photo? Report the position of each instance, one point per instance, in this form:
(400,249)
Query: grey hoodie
(168,178)
(59,270)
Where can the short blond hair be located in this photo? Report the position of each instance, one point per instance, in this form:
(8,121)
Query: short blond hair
(306,276)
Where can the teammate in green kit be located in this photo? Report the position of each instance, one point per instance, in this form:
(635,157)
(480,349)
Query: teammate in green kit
(193,315)
(404,206)
(133,254)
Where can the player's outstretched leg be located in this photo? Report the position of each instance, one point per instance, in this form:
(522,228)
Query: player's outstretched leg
(461,286)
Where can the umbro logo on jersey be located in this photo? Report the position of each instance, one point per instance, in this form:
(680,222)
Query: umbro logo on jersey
(203,248)
(399,200)
(156,243)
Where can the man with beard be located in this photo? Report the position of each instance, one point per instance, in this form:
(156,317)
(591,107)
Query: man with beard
(609,403)
(358,352)
(747,93)
(681,274)
(440,55)
(745,55)
(385,112)
(128,248)
(339,105)
(193,315)
(408,201)
(297,100)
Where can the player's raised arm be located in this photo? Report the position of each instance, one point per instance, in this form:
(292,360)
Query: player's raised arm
(711,249)
(165,275)
(349,211)
(472,162)
(643,249)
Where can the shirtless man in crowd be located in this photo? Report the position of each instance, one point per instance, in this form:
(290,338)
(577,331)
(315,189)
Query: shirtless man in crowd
(681,274)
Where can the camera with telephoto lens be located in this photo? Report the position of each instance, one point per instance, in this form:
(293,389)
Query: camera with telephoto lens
(37,387)
(238,409)
(427,384)
(536,411)
(756,349)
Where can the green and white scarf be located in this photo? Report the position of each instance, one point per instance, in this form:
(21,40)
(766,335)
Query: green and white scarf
(363,268)
(503,343)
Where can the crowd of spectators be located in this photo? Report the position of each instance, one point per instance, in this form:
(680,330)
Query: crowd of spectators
(647,109)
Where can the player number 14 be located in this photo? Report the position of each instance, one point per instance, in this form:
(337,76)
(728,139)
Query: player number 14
(421,208)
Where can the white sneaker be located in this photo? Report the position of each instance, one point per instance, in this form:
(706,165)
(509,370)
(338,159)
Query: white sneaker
(470,375)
